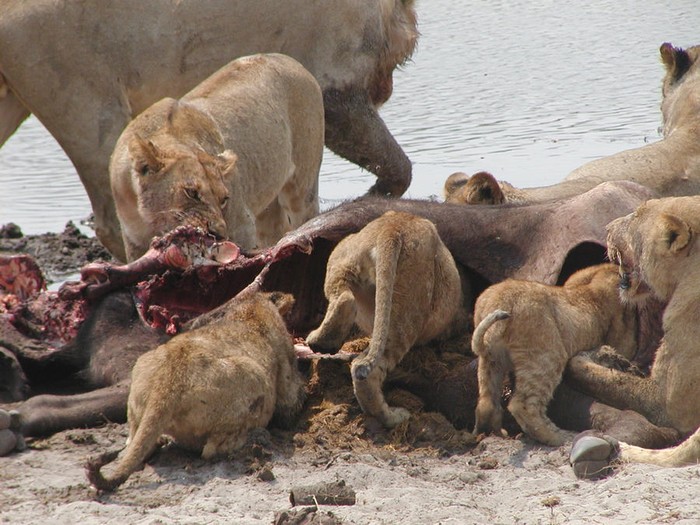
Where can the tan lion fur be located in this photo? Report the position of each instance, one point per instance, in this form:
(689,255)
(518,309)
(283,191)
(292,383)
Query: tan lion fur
(208,387)
(396,280)
(532,329)
(658,252)
(238,155)
(670,167)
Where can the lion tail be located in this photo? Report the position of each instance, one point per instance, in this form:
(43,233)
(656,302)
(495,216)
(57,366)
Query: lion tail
(481,329)
(387,253)
(685,454)
(141,445)
(492,369)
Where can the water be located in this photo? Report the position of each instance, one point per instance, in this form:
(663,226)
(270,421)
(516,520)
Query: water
(528,90)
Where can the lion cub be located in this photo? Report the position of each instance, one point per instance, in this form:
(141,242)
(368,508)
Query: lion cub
(532,329)
(208,387)
(396,280)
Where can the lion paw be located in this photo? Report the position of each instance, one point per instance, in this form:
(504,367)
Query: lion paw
(592,455)
(395,417)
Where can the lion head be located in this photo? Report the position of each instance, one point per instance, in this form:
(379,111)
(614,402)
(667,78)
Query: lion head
(655,246)
(171,170)
(180,185)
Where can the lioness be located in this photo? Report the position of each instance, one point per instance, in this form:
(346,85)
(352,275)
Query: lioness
(238,155)
(208,387)
(396,280)
(657,250)
(670,167)
(532,329)
(85,85)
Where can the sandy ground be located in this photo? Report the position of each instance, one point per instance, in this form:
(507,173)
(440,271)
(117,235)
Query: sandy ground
(501,480)
(418,477)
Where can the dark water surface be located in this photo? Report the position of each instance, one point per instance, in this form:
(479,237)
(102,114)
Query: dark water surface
(528,90)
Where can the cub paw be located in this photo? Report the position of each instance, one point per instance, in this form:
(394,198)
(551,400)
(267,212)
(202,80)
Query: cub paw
(395,417)
(361,368)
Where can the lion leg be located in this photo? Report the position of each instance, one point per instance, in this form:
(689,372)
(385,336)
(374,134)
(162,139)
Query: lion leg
(336,325)
(369,395)
(687,453)
(618,389)
(489,412)
(356,132)
(299,196)
(12,112)
(272,223)
(534,389)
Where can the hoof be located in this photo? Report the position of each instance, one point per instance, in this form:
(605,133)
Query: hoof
(8,441)
(5,419)
(592,456)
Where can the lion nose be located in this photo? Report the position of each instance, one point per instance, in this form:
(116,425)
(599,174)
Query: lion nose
(625,281)
(218,229)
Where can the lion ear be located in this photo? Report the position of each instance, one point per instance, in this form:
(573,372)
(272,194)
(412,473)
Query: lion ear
(227,160)
(678,233)
(145,156)
(676,60)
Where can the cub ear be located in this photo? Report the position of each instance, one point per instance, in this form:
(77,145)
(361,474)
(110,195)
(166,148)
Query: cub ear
(145,156)
(453,183)
(283,301)
(486,189)
(677,233)
(676,60)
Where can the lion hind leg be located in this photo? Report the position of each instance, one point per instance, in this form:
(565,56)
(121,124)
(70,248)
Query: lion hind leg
(534,388)
(489,413)
(687,453)
(337,323)
(368,392)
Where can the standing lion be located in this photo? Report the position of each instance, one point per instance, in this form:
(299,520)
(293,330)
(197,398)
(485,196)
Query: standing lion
(396,280)
(532,329)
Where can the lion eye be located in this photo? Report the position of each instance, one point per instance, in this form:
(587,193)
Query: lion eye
(193,194)
(224,202)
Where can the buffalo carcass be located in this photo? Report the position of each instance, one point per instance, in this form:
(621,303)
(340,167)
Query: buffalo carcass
(187,274)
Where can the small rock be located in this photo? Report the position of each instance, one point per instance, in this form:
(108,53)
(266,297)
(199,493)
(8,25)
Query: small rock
(551,501)
(266,474)
(488,463)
